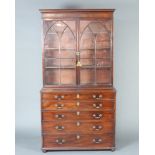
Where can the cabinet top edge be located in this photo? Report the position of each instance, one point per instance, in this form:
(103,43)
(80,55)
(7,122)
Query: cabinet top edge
(74,10)
(77,89)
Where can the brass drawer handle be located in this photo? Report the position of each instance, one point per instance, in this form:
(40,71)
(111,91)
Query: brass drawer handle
(97,97)
(59,97)
(59,116)
(97,140)
(97,116)
(60,128)
(97,127)
(97,105)
(59,106)
(60,141)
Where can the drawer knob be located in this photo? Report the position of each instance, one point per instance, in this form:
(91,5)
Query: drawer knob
(77,136)
(78,103)
(60,128)
(97,127)
(59,97)
(97,116)
(60,141)
(59,116)
(78,113)
(78,96)
(59,106)
(97,97)
(97,140)
(97,105)
(78,123)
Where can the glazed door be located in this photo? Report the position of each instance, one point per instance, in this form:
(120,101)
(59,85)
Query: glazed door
(83,59)
(59,60)
(95,47)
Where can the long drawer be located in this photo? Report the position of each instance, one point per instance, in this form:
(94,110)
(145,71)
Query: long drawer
(98,141)
(77,115)
(77,105)
(78,95)
(81,127)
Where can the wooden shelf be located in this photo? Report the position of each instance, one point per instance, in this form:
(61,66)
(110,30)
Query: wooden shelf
(97,58)
(60,58)
(60,67)
(50,48)
(93,67)
(94,49)
(95,32)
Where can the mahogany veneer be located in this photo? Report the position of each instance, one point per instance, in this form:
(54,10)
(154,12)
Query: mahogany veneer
(78,100)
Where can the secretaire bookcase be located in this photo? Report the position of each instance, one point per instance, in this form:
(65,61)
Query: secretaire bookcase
(78,99)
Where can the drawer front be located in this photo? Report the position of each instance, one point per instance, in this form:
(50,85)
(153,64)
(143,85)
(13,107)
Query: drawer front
(82,127)
(79,96)
(78,105)
(58,96)
(78,140)
(77,115)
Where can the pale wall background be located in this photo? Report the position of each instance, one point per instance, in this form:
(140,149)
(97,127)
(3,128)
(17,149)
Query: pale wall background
(29,73)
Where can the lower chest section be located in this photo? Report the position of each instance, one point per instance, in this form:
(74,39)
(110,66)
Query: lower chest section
(78,120)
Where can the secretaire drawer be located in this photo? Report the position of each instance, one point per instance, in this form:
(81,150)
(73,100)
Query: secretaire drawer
(58,96)
(106,105)
(85,127)
(96,96)
(78,140)
(77,115)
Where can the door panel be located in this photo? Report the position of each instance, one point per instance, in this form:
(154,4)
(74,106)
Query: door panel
(60,52)
(61,47)
(95,42)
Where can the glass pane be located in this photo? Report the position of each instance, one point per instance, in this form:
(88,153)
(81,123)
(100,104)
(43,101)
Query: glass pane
(67,53)
(101,37)
(103,76)
(87,41)
(87,62)
(103,40)
(102,45)
(68,76)
(68,62)
(51,41)
(60,52)
(87,53)
(103,62)
(47,25)
(68,40)
(103,53)
(97,27)
(59,27)
(52,76)
(87,76)
(52,62)
(95,48)
(51,53)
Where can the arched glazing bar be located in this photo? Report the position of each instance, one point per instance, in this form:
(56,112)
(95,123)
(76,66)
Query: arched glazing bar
(59,35)
(95,22)
(94,38)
